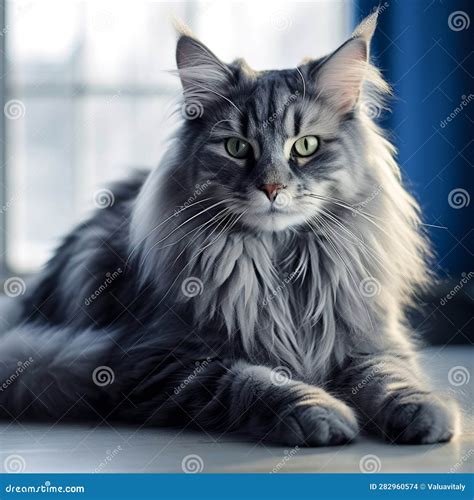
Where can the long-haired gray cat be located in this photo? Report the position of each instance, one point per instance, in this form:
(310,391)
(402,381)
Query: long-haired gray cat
(255,282)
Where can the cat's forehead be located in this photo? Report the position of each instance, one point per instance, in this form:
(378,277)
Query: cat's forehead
(276,103)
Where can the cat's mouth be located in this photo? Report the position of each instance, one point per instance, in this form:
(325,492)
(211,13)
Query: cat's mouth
(272,218)
(272,210)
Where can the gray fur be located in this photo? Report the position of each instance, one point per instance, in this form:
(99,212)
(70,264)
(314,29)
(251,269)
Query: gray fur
(276,288)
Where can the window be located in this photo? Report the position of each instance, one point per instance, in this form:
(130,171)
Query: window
(87,95)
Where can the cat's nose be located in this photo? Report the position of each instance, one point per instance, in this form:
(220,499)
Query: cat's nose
(271,190)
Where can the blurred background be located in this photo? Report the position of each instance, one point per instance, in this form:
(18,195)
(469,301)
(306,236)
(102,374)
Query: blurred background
(86,95)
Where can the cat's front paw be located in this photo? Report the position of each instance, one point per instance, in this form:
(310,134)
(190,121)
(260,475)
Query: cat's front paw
(419,419)
(326,421)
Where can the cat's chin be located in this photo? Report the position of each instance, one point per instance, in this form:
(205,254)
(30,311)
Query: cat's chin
(273,222)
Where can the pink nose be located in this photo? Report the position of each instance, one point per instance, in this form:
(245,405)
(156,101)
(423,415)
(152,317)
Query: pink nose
(271,190)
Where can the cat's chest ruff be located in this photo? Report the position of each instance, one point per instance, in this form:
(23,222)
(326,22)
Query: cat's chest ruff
(244,270)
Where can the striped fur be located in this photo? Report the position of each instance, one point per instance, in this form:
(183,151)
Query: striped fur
(231,314)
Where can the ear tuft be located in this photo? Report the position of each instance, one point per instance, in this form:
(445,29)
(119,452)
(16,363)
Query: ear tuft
(342,75)
(366,27)
(203,75)
(181,27)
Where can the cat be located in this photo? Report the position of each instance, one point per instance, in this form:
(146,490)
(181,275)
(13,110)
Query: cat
(255,283)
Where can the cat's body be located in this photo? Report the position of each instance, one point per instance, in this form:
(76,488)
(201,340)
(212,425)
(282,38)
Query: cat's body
(211,305)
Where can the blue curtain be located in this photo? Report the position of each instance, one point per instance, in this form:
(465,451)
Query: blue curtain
(424,48)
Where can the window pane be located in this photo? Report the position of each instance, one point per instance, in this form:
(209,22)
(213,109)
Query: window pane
(120,133)
(124,46)
(43,41)
(273,34)
(41,179)
(58,168)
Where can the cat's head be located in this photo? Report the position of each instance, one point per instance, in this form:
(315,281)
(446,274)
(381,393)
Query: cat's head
(274,145)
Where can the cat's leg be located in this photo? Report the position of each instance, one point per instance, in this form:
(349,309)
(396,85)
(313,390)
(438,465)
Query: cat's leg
(226,396)
(393,401)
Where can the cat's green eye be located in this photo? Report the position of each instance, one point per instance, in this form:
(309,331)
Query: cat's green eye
(238,148)
(306,146)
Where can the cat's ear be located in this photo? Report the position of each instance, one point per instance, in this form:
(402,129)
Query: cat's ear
(340,77)
(203,75)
